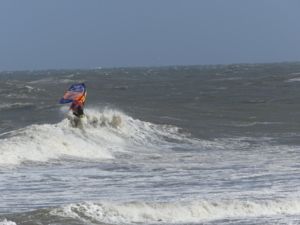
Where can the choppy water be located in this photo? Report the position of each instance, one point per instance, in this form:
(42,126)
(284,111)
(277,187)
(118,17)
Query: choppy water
(172,145)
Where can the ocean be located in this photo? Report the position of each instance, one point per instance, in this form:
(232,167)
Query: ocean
(215,144)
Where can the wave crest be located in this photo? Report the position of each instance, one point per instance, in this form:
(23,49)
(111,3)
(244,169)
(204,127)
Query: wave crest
(176,212)
(100,135)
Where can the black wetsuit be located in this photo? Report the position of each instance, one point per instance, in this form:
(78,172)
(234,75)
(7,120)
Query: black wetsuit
(77,110)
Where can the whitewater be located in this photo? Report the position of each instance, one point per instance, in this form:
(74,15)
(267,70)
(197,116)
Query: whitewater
(171,145)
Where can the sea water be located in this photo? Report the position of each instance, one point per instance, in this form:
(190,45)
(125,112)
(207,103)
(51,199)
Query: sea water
(170,145)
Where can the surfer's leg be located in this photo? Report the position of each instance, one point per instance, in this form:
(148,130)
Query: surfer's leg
(80,112)
(76,114)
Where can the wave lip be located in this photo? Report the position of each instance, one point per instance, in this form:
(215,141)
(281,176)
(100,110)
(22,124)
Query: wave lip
(177,212)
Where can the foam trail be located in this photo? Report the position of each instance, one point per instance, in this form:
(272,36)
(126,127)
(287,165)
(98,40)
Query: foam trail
(177,212)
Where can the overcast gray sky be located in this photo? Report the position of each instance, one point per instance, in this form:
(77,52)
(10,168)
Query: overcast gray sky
(53,34)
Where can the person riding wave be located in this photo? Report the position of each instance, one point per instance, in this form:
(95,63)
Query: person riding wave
(77,108)
(76,95)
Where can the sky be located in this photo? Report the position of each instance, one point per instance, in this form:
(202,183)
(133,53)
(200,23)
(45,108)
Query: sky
(69,34)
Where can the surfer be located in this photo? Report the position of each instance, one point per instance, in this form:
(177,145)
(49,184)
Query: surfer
(77,108)
(76,95)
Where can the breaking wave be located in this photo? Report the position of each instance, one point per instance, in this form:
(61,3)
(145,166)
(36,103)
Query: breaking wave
(7,222)
(176,212)
(98,136)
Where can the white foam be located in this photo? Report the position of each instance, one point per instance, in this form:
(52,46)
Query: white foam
(177,212)
(15,105)
(101,134)
(54,80)
(29,88)
(7,222)
(296,79)
(250,124)
(41,81)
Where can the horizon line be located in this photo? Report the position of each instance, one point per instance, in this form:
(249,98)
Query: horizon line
(145,66)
